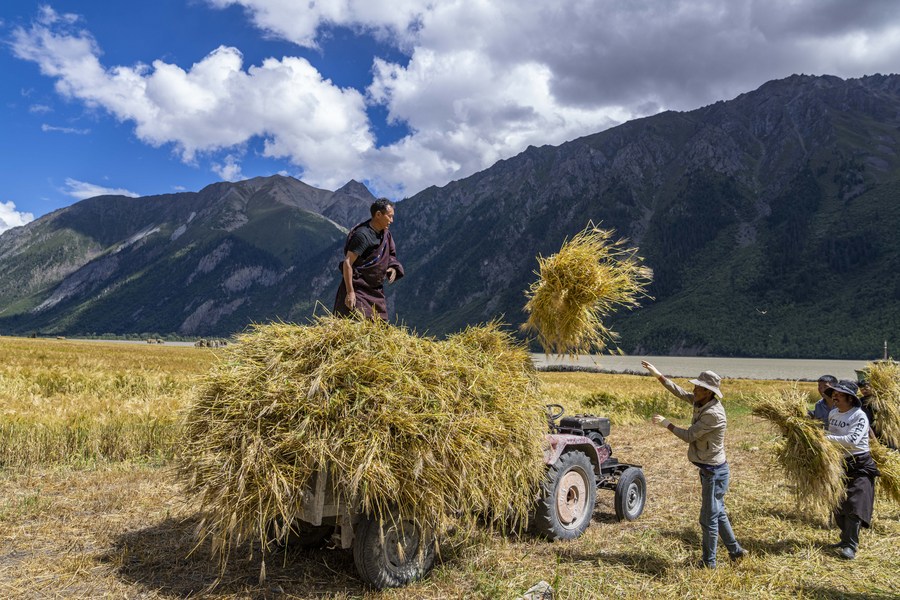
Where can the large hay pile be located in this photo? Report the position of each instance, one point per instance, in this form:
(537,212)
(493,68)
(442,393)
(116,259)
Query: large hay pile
(884,379)
(445,432)
(812,463)
(577,287)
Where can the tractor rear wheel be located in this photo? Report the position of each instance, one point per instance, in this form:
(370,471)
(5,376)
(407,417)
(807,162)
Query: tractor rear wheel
(568,495)
(631,493)
(390,552)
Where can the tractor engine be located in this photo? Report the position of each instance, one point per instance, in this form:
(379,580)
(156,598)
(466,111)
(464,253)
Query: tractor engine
(592,427)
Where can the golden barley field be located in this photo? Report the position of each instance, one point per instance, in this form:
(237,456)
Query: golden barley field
(90,506)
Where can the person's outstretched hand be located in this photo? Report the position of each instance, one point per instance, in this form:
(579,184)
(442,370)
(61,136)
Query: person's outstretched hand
(653,370)
(660,420)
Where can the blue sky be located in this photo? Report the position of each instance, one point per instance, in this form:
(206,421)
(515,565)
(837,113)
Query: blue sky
(147,98)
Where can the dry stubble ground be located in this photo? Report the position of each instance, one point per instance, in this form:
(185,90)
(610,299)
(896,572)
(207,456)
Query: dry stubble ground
(123,530)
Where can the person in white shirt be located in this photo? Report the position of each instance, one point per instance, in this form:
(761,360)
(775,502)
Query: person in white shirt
(848,426)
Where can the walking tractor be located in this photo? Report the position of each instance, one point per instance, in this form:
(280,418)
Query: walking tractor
(392,552)
(579,462)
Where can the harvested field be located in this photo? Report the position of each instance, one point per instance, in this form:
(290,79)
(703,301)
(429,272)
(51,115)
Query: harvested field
(110,528)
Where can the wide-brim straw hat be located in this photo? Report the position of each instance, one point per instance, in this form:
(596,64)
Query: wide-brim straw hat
(710,381)
(845,386)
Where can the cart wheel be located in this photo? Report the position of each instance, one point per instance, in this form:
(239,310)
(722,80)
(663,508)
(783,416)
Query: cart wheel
(631,493)
(567,498)
(390,552)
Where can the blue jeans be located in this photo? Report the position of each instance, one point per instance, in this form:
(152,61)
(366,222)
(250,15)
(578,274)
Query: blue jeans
(713,518)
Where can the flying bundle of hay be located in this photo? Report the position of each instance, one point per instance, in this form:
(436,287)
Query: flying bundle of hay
(884,379)
(888,463)
(577,287)
(444,432)
(811,462)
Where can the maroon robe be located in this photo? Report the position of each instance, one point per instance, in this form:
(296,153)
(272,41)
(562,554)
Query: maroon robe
(368,278)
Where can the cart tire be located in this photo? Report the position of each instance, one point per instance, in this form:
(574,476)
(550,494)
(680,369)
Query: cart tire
(568,496)
(389,552)
(631,494)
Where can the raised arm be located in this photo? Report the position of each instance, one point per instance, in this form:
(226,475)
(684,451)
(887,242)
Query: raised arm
(670,385)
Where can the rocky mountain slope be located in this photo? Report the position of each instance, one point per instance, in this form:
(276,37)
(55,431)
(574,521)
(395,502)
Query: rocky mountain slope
(190,263)
(770,221)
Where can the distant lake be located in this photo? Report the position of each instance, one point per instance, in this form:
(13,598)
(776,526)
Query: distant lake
(691,366)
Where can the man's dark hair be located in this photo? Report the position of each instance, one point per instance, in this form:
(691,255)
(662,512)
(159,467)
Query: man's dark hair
(380,205)
(829,379)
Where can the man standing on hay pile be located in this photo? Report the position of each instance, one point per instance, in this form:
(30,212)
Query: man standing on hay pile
(849,427)
(706,449)
(370,258)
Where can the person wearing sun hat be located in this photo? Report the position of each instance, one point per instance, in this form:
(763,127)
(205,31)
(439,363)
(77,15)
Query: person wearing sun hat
(848,426)
(706,450)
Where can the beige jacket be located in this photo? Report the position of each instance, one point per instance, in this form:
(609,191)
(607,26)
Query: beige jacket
(706,435)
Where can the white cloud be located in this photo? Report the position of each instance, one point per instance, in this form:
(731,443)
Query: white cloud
(39,109)
(230,169)
(484,78)
(71,130)
(179,188)
(300,22)
(215,104)
(10,217)
(83,190)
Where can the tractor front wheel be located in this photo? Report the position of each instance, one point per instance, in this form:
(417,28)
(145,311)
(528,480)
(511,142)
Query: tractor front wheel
(568,495)
(631,493)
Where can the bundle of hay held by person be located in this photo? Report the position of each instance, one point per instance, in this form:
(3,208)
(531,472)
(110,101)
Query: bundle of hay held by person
(813,464)
(577,287)
(884,380)
(888,462)
(443,432)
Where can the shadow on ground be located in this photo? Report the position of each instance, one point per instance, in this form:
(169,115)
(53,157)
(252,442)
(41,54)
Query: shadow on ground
(832,594)
(160,559)
(794,516)
(690,538)
(640,562)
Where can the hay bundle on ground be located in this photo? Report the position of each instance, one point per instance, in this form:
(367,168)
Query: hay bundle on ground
(445,432)
(888,463)
(584,282)
(884,379)
(813,464)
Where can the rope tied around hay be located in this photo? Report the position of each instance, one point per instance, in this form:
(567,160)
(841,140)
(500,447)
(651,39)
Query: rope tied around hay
(579,286)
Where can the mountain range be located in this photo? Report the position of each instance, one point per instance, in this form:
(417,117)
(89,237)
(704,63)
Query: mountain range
(770,222)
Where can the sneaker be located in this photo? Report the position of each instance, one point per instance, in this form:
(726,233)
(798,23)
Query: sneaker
(738,556)
(701,564)
(847,553)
